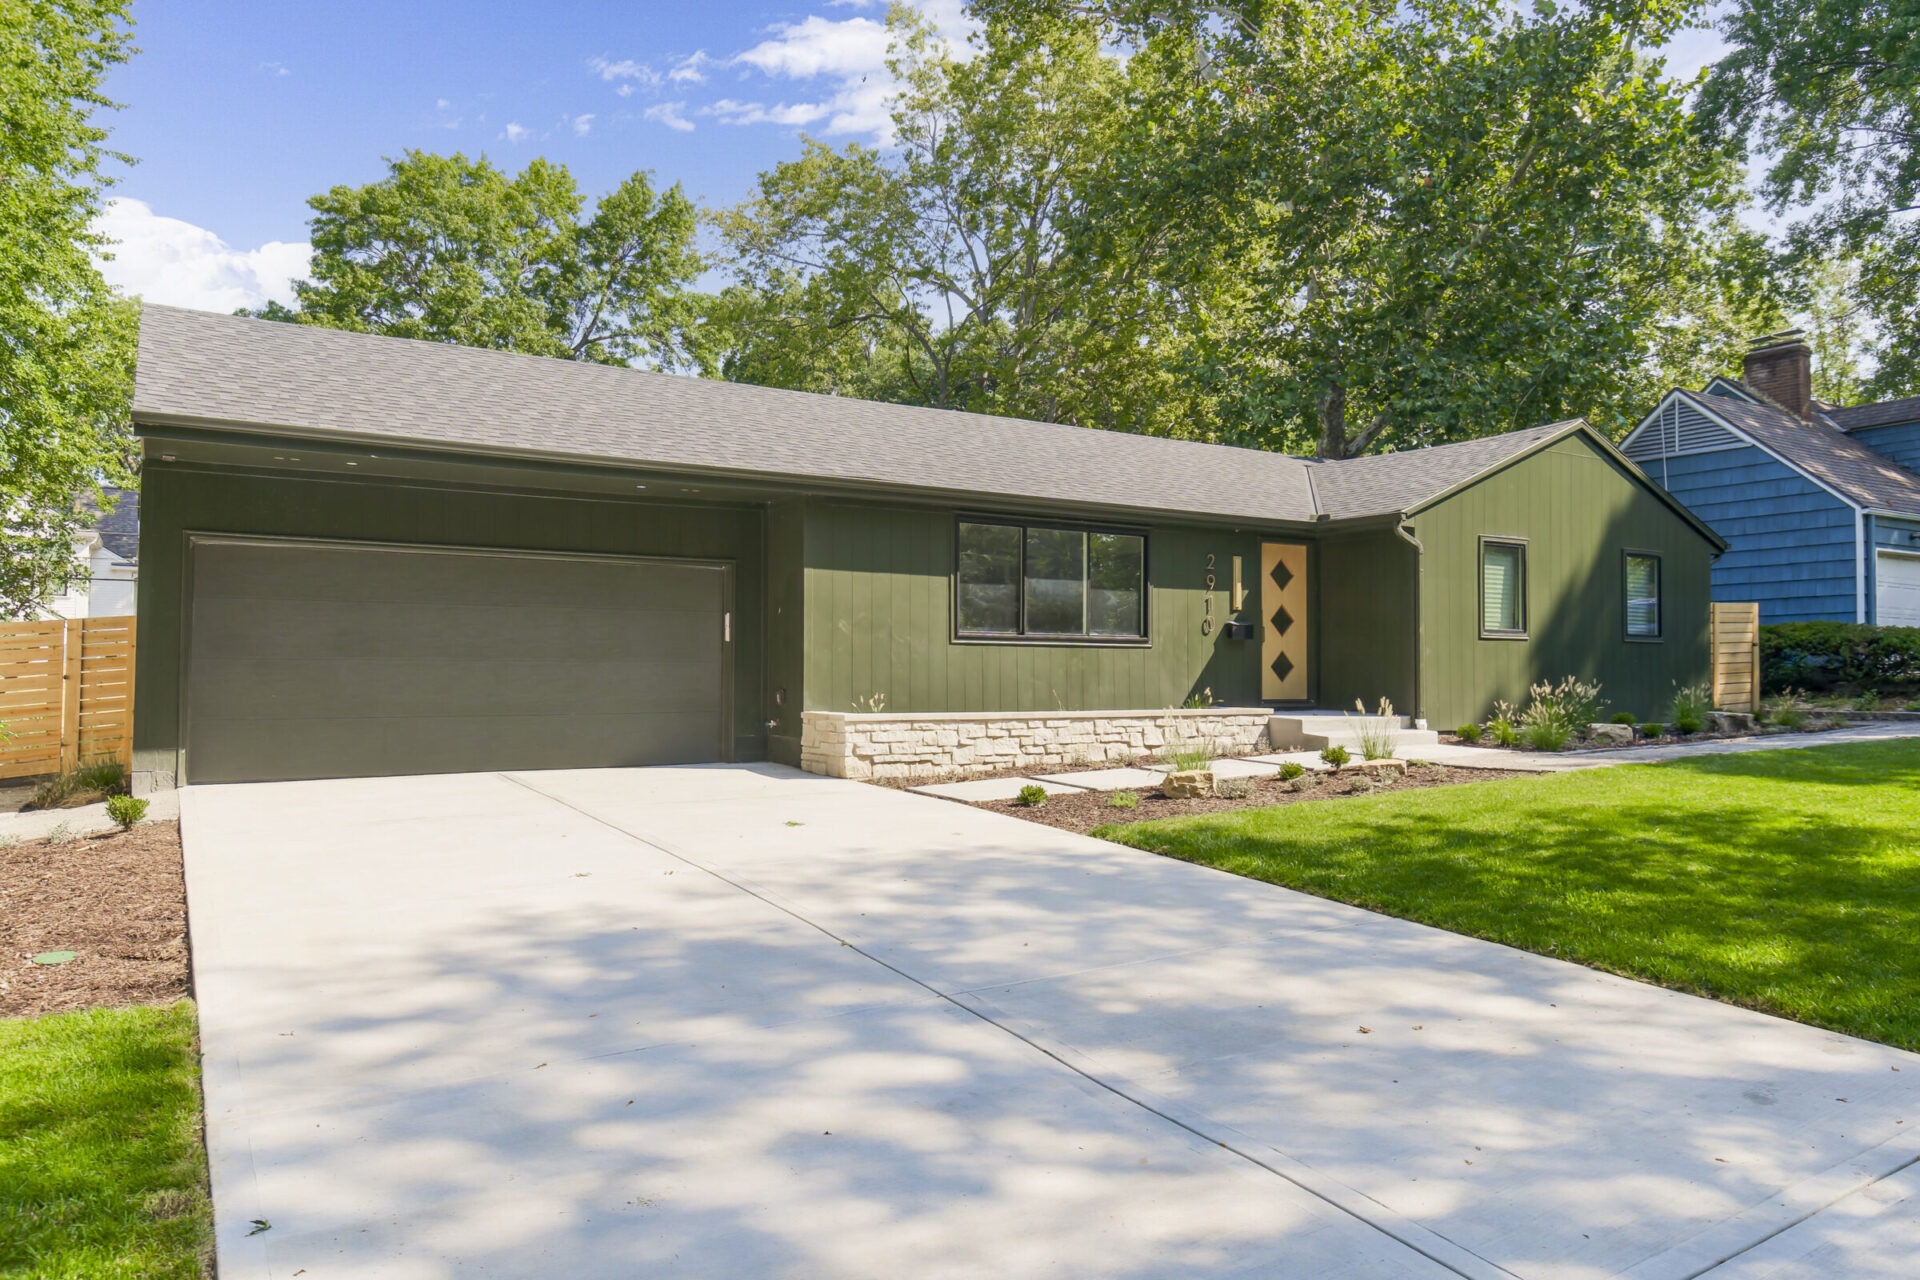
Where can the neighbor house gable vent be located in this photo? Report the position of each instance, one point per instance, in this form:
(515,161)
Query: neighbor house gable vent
(1679,429)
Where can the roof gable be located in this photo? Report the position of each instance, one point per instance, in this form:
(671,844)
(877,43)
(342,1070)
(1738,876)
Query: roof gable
(1821,452)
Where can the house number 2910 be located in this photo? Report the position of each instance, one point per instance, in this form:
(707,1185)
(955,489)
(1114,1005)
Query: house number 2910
(1206,620)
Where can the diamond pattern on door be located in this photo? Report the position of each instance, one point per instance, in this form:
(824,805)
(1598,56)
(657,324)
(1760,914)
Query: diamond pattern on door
(1283,647)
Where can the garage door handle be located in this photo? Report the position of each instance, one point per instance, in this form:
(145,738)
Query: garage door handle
(726,628)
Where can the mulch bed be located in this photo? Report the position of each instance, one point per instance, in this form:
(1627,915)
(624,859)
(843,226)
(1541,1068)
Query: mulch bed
(1083,811)
(119,901)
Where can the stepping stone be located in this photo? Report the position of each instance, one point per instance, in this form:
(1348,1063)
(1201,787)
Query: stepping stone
(1105,779)
(992,789)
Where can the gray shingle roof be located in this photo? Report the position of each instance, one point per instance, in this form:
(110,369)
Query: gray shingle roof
(1885,414)
(1831,456)
(1397,482)
(210,371)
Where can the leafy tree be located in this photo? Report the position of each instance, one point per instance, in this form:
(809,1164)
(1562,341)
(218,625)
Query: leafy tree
(1829,91)
(1437,219)
(453,250)
(65,339)
(952,268)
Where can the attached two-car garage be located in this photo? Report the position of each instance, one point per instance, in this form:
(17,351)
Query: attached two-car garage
(337,659)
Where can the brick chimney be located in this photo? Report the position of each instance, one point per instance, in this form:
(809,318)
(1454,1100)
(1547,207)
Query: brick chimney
(1780,368)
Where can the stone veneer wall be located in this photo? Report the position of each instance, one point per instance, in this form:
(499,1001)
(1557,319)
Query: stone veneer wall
(845,744)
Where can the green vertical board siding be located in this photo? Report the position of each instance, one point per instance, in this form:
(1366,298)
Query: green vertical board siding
(879,625)
(177,500)
(1579,512)
(786,628)
(1367,630)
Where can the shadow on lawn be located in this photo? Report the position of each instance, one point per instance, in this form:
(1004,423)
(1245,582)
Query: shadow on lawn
(1799,901)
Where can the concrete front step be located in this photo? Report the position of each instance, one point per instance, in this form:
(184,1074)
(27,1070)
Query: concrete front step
(1312,731)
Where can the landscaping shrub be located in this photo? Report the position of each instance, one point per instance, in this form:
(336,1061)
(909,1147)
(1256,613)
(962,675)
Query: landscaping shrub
(1652,729)
(1335,756)
(1625,717)
(1559,711)
(1304,782)
(1291,769)
(1031,796)
(126,811)
(1379,733)
(89,784)
(1501,728)
(1123,800)
(1789,710)
(1545,735)
(1468,733)
(1361,784)
(1839,657)
(1185,757)
(1690,708)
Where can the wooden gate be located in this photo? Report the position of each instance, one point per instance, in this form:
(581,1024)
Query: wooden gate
(1736,656)
(66,694)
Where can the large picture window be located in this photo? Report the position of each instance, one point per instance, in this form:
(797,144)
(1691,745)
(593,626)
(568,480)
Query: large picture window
(1042,582)
(1503,589)
(1643,596)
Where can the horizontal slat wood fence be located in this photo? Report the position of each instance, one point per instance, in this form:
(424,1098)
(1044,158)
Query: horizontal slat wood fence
(1736,656)
(66,694)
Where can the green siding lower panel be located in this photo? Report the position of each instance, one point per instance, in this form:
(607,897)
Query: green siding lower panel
(1368,621)
(1579,512)
(879,625)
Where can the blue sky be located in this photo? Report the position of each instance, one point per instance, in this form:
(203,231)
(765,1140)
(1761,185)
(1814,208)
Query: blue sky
(237,112)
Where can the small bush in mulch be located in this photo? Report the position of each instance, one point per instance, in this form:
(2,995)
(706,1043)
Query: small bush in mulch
(117,902)
(1085,810)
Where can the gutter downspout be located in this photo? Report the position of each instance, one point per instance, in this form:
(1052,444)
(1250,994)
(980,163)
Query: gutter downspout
(1405,534)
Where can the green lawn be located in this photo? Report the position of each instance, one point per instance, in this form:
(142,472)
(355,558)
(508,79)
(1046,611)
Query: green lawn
(101,1168)
(1787,881)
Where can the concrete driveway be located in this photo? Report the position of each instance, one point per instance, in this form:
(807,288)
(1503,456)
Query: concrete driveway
(740,1021)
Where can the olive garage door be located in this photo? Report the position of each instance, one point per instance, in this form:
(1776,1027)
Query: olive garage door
(327,660)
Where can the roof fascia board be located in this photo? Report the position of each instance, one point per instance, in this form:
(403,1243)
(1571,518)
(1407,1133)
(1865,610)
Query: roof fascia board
(224,432)
(1783,460)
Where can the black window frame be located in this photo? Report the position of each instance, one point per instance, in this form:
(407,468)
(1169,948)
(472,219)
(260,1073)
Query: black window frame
(1627,555)
(1024,525)
(1480,570)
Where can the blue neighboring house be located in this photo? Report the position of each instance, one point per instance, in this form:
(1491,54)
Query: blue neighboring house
(1820,503)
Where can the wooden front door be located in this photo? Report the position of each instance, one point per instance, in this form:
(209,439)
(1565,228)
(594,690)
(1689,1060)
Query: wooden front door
(1283,614)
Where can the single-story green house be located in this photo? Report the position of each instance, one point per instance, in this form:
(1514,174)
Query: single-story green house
(363,555)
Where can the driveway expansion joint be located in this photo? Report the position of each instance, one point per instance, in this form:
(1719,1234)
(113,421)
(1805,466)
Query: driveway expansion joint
(1423,1241)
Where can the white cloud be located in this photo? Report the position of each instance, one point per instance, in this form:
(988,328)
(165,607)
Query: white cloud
(582,124)
(793,115)
(671,114)
(819,46)
(275,69)
(516,132)
(691,69)
(171,261)
(625,69)
(850,54)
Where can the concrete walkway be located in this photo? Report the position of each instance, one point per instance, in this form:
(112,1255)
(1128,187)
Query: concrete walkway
(83,820)
(1444,753)
(741,1021)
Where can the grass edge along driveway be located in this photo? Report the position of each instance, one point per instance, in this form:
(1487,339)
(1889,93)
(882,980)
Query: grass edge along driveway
(1785,881)
(102,1170)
